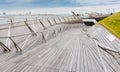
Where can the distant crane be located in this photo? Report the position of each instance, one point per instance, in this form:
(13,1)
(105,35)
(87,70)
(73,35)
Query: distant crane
(74,14)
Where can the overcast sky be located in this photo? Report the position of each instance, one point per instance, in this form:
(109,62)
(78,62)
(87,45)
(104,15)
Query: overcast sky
(51,6)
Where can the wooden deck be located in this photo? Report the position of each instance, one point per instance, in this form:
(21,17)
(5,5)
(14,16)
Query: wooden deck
(70,51)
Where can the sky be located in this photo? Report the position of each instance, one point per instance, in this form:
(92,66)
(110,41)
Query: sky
(16,6)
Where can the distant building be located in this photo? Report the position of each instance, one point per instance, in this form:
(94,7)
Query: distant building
(4,13)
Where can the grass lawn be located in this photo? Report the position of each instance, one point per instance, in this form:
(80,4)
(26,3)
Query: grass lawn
(112,23)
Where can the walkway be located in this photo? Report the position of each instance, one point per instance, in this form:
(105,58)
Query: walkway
(73,50)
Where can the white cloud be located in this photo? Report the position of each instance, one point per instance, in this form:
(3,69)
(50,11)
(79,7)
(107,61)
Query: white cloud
(17,1)
(62,10)
(96,2)
(67,10)
(17,12)
(0,12)
(99,8)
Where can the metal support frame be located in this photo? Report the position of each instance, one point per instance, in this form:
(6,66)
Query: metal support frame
(43,37)
(16,46)
(5,48)
(68,19)
(59,20)
(42,24)
(55,20)
(12,24)
(49,21)
(25,42)
(64,19)
(33,33)
(54,33)
(60,29)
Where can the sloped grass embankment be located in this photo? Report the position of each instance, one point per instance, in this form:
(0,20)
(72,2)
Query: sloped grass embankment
(112,23)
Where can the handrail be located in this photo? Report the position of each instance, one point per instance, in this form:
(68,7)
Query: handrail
(28,27)
(25,20)
(27,33)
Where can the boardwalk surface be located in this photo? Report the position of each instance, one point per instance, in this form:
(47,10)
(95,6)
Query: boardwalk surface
(71,51)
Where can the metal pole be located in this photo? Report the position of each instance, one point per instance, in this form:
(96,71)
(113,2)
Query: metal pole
(43,37)
(59,20)
(33,33)
(16,46)
(55,20)
(42,24)
(4,47)
(49,22)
